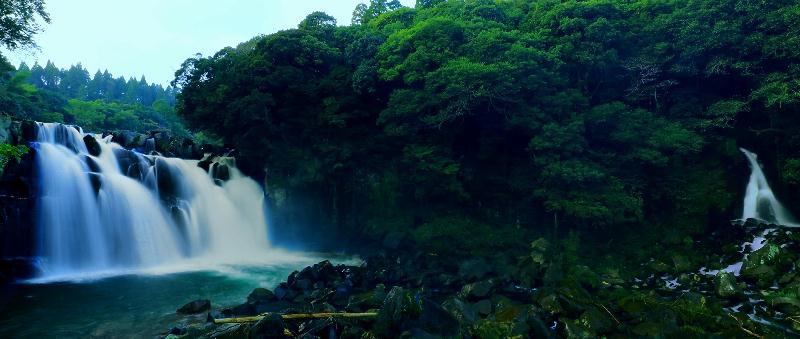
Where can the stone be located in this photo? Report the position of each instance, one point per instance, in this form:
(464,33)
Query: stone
(725,285)
(462,311)
(227,331)
(597,320)
(483,307)
(92,145)
(194,307)
(681,263)
(260,295)
(365,301)
(477,290)
(759,265)
(473,269)
(271,326)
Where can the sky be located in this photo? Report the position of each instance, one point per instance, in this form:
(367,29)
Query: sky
(153,37)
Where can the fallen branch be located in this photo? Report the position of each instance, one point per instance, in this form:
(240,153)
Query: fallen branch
(296,316)
(741,326)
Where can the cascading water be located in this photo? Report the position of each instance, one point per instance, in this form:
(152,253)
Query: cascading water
(121,210)
(759,200)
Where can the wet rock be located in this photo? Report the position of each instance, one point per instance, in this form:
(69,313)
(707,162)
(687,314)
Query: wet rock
(403,310)
(483,307)
(177,331)
(398,307)
(478,290)
(473,269)
(271,326)
(227,331)
(92,145)
(239,310)
(283,292)
(303,284)
(681,263)
(725,285)
(597,320)
(197,306)
(758,266)
(260,295)
(463,312)
(365,301)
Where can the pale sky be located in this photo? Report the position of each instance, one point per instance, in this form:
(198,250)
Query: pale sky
(153,37)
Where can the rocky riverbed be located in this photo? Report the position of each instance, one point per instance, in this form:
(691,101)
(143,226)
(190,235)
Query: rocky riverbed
(743,283)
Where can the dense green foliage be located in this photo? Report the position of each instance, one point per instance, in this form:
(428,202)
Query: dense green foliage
(7,152)
(603,113)
(18,22)
(98,103)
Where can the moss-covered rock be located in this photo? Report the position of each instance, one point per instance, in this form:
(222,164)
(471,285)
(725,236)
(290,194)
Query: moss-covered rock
(726,286)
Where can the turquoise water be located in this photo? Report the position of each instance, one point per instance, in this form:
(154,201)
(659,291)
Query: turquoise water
(138,305)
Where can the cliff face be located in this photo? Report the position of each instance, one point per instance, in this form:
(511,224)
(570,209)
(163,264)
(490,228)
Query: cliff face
(17,234)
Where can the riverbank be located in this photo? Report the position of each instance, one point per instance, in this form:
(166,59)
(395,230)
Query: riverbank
(742,283)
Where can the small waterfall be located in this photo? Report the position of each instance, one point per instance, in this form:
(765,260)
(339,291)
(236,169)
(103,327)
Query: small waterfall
(759,200)
(123,210)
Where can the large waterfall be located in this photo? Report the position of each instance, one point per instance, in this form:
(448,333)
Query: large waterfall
(759,200)
(105,208)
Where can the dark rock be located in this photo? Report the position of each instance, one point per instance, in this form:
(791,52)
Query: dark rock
(483,307)
(197,306)
(92,145)
(461,310)
(477,290)
(227,331)
(96,180)
(177,331)
(271,326)
(398,307)
(302,284)
(725,285)
(759,265)
(239,310)
(474,269)
(417,333)
(368,300)
(260,295)
(596,320)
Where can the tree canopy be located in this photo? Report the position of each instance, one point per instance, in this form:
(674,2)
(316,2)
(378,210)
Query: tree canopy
(18,22)
(603,113)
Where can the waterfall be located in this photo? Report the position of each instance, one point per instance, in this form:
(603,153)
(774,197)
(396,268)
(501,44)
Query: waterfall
(759,200)
(105,208)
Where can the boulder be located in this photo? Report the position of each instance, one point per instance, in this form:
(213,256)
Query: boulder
(260,295)
(473,269)
(759,266)
(227,331)
(725,285)
(197,306)
(92,145)
(271,326)
(462,311)
(477,290)
(483,307)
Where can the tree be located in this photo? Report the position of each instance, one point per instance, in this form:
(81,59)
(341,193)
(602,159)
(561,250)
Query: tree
(18,22)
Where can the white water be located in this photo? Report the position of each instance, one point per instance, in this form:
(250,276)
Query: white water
(759,200)
(148,211)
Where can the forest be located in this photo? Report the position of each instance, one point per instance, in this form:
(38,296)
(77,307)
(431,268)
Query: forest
(98,103)
(499,168)
(602,115)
